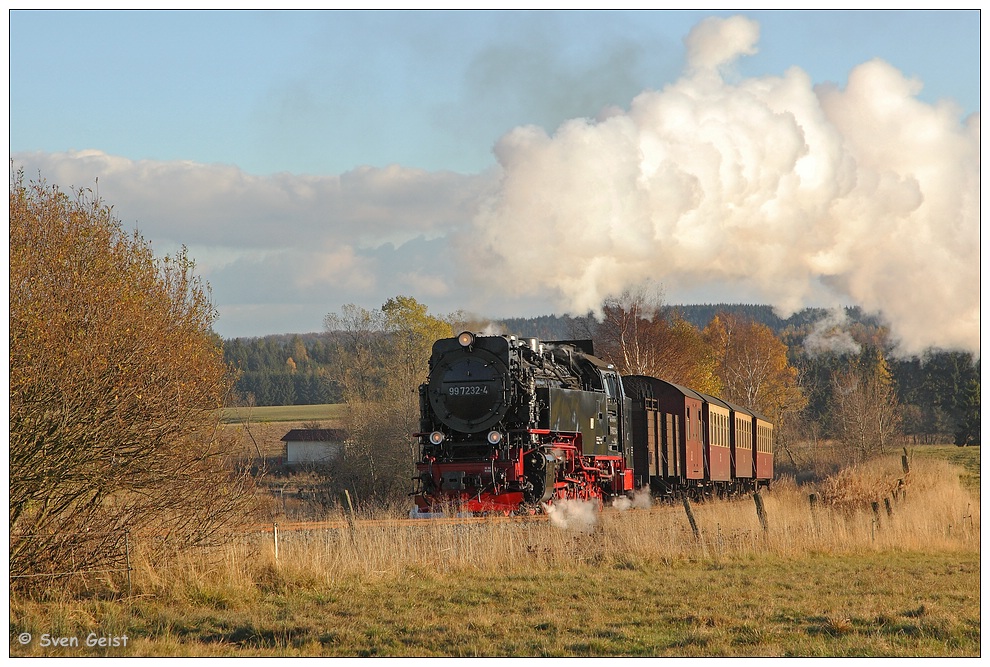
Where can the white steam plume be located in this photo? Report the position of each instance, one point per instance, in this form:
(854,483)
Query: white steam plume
(803,195)
(641,499)
(580,515)
(831,335)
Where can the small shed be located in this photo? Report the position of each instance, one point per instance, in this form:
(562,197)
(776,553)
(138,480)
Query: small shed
(313,445)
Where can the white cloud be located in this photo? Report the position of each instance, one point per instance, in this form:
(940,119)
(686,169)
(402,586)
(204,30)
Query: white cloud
(220,205)
(770,186)
(266,243)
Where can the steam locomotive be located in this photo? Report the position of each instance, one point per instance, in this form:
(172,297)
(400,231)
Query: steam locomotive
(510,424)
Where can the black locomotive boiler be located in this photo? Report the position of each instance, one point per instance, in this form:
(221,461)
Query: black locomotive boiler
(508,424)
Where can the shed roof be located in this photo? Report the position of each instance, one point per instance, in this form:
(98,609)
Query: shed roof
(315,435)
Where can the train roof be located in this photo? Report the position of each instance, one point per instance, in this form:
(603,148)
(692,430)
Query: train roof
(760,416)
(739,408)
(691,393)
(742,409)
(714,400)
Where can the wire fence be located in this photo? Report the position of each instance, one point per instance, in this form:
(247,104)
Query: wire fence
(112,557)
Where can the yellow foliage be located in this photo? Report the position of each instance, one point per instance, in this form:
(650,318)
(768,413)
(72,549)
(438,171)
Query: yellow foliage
(115,377)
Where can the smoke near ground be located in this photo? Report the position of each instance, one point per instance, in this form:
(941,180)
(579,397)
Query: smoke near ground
(803,195)
(578,515)
(641,499)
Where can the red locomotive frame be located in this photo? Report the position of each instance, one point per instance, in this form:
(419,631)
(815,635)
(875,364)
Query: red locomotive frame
(576,477)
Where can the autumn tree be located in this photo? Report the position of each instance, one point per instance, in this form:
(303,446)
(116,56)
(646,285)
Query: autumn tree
(641,337)
(116,380)
(752,366)
(383,358)
(864,411)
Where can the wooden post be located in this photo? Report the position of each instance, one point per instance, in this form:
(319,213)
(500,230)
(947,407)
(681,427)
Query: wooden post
(904,461)
(275,539)
(813,502)
(127,559)
(350,509)
(690,516)
(350,515)
(886,504)
(761,511)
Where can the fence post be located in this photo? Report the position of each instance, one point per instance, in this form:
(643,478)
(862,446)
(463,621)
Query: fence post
(761,511)
(127,559)
(349,515)
(275,539)
(690,516)
(875,525)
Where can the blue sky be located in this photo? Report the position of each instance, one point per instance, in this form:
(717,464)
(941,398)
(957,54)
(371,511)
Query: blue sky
(323,92)
(365,143)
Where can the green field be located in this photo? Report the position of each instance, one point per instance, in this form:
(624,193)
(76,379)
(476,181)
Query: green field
(967,458)
(869,604)
(325,413)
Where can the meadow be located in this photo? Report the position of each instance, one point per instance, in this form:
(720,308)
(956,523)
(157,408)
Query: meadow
(836,578)
(326,413)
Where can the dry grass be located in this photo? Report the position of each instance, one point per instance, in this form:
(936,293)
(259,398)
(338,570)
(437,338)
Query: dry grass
(933,513)
(838,579)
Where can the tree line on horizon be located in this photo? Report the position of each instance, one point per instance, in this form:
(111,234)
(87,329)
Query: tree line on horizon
(937,392)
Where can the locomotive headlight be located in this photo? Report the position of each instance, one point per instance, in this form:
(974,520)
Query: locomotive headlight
(436,437)
(494,437)
(466,339)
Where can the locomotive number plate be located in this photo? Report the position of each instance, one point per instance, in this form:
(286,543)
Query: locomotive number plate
(468,390)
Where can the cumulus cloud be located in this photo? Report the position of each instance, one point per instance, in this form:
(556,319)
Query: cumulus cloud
(296,246)
(770,182)
(214,204)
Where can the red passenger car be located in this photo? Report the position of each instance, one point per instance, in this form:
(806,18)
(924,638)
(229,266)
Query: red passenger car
(669,418)
(743,463)
(716,435)
(763,444)
(688,441)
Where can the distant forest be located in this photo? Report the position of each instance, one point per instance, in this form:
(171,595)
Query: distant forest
(939,391)
(553,327)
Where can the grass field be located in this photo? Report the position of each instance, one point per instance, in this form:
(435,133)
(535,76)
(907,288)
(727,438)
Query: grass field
(967,458)
(833,581)
(324,414)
